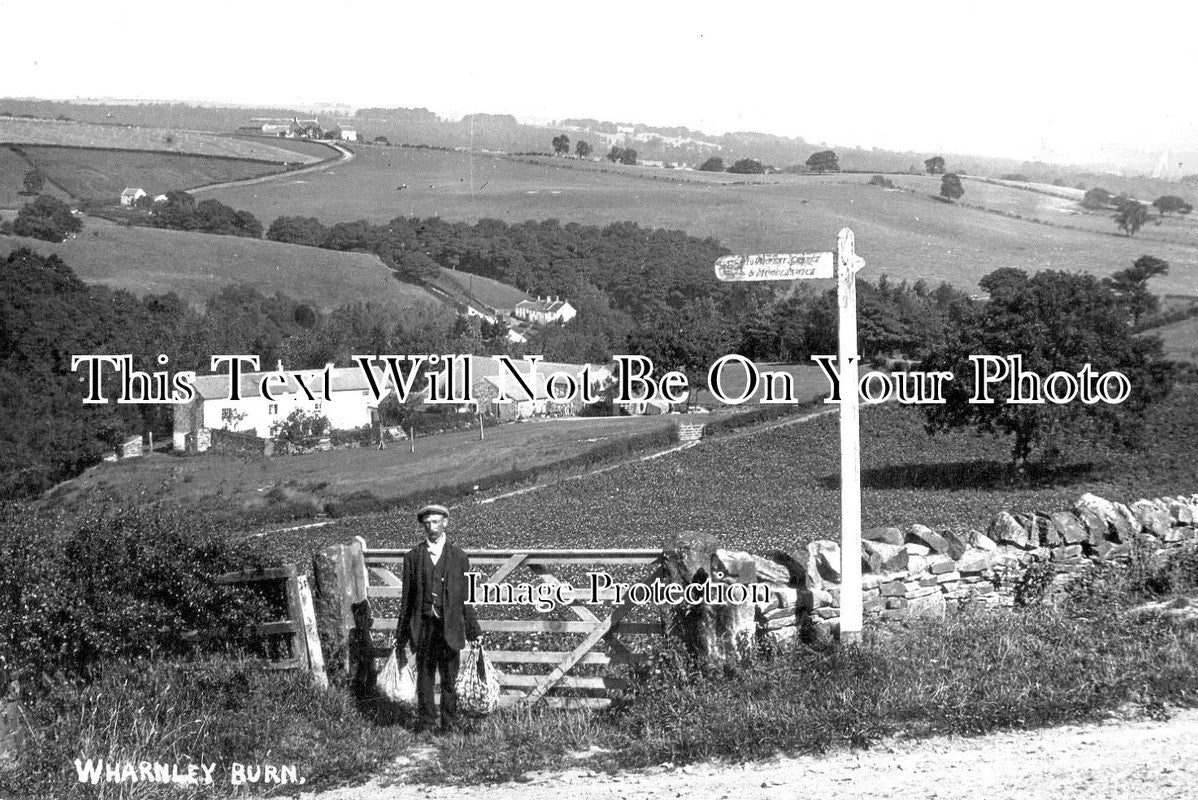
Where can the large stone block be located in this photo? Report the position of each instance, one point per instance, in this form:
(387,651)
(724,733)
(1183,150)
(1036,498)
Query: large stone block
(976,560)
(1131,524)
(884,535)
(1121,525)
(983,542)
(1004,529)
(938,565)
(1096,527)
(1182,512)
(1152,516)
(924,535)
(1033,531)
(931,605)
(1071,552)
(1179,533)
(878,557)
(1071,528)
(1050,534)
(958,542)
(823,563)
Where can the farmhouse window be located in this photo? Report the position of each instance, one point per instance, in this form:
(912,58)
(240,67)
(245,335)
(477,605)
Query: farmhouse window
(226,415)
(272,409)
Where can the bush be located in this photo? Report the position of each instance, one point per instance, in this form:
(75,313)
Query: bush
(46,218)
(363,436)
(100,584)
(878,180)
(300,429)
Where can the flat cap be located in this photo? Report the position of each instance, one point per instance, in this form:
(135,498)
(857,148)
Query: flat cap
(432,508)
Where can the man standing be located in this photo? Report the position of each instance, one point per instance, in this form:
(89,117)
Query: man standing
(434,618)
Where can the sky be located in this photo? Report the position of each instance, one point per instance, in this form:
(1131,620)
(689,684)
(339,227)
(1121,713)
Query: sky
(1059,81)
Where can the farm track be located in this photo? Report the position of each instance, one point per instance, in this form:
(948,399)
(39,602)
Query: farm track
(346,156)
(1135,758)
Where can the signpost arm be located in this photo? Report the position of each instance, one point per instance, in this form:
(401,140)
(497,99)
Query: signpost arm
(847,265)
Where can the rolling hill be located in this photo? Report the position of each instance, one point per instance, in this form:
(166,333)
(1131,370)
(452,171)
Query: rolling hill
(902,234)
(20,130)
(195,265)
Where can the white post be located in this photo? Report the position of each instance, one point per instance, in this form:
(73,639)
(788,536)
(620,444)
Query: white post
(847,265)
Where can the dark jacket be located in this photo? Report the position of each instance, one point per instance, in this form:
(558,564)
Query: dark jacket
(461,623)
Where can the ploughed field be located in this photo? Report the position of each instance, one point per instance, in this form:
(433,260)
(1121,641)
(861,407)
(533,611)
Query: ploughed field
(904,235)
(779,488)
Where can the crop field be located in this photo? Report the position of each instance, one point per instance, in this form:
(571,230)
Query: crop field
(196,265)
(779,489)
(1181,340)
(104,174)
(16,130)
(902,235)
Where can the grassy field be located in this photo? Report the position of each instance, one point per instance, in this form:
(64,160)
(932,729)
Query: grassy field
(1061,208)
(442,460)
(15,130)
(12,175)
(103,174)
(305,147)
(900,234)
(1181,340)
(196,265)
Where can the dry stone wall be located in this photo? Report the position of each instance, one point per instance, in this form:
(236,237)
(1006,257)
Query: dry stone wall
(919,571)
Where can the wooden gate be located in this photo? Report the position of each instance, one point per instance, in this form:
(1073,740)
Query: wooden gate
(377,576)
(297,631)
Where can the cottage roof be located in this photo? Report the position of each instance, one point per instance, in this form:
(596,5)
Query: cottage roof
(131,191)
(341,379)
(548,305)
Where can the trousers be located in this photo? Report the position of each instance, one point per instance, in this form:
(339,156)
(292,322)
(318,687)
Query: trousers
(434,656)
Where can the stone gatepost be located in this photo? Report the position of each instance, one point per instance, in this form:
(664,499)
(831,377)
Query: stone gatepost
(713,633)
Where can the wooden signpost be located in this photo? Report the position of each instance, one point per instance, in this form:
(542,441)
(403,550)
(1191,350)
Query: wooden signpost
(844,265)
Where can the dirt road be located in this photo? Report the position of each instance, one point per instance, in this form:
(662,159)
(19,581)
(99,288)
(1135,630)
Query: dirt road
(1138,760)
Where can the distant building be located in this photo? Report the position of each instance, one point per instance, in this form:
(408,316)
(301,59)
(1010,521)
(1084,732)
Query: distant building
(490,378)
(294,128)
(131,195)
(544,311)
(351,404)
(348,135)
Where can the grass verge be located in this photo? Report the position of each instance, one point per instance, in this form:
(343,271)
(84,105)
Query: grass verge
(976,672)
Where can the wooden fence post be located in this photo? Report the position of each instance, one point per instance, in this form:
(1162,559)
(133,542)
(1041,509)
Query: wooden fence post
(12,724)
(299,602)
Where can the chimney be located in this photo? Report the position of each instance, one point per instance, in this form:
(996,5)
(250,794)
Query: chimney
(279,366)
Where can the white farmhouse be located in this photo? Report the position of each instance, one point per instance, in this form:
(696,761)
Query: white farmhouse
(131,195)
(351,403)
(544,311)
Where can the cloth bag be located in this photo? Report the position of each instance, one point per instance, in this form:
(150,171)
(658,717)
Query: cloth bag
(398,684)
(477,686)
